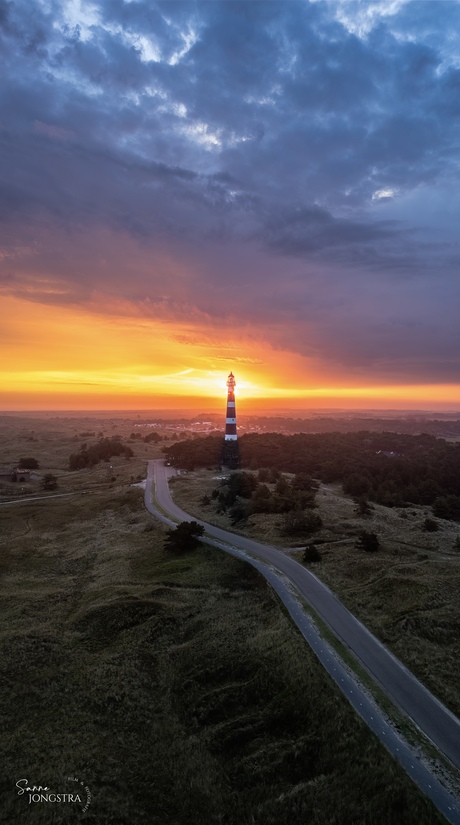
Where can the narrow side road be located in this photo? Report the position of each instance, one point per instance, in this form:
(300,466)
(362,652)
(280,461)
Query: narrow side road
(36,498)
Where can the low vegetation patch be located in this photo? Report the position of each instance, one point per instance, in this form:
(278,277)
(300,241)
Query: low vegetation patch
(243,494)
(103,450)
(174,685)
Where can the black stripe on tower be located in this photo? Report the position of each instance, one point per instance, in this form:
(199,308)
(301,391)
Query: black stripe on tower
(230,429)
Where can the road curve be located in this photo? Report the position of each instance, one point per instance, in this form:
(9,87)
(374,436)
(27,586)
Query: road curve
(363,704)
(428,713)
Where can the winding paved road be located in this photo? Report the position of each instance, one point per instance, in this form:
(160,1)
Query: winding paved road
(433,719)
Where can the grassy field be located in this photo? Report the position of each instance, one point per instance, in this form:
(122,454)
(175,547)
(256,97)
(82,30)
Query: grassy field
(176,688)
(406,593)
(51,441)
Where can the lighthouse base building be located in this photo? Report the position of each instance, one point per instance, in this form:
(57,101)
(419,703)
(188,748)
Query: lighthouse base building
(230,450)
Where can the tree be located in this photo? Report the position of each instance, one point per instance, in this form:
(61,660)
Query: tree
(428,491)
(283,487)
(184,537)
(303,481)
(155,437)
(49,482)
(239,511)
(356,485)
(363,508)
(268,474)
(103,450)
(237,485)
(261,499)
(241,484)
(447,507)
(263,475)
(368,542)
(28,464)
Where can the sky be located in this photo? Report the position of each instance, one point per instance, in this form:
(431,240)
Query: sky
(189,188)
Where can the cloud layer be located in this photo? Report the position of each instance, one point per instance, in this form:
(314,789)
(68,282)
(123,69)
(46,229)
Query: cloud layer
(289,167)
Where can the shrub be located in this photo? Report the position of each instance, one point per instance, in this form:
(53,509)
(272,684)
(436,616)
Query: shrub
(311,553)
(430,525)
(184,537)
(49,482)
(28,464)
(368,542)
(298,522)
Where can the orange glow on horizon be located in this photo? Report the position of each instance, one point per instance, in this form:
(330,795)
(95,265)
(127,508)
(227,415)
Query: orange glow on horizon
(57,357)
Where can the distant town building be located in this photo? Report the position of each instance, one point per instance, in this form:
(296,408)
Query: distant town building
(14,474)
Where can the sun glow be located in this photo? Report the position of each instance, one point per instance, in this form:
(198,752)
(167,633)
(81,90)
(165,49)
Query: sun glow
(85,360)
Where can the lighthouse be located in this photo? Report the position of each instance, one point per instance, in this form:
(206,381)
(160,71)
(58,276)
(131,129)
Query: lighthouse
(230,420)
(230,453)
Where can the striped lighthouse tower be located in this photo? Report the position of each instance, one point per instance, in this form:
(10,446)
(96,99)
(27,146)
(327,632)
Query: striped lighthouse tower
(230,420)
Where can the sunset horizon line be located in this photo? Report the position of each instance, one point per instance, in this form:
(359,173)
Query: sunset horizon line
(252,410)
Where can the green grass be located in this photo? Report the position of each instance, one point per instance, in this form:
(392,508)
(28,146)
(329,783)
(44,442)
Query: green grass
(175,687)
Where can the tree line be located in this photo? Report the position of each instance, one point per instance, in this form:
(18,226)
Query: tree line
(102,450)
(392,469)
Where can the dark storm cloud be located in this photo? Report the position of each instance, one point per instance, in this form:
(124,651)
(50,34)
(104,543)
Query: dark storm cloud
(263,143)
(311,229)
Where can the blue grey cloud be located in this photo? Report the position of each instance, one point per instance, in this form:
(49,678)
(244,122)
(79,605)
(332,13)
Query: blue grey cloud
(295,146)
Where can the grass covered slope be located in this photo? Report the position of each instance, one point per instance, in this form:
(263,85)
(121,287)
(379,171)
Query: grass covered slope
(176,687)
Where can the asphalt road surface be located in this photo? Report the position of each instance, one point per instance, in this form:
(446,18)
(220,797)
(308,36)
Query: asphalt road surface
(436,721)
